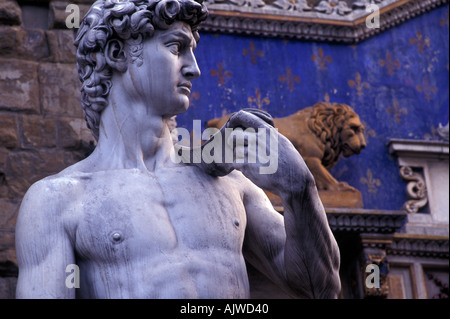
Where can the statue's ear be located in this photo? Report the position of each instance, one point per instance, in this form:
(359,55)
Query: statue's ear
(115,55)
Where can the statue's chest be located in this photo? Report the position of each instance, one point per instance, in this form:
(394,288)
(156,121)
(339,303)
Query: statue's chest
(118,216)
(133,215)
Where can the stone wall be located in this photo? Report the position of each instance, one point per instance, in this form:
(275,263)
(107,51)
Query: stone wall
(42,129)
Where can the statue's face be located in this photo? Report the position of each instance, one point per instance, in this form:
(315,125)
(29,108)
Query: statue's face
(169,65)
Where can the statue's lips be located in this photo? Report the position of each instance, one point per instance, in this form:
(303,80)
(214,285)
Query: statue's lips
(185,88)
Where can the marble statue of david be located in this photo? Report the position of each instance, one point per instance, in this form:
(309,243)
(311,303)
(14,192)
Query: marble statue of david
(139,225)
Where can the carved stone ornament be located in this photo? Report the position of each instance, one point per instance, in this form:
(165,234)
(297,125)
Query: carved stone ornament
(365,220)
(416,189)
(325,7)
(419,246)
(443,131)
(321,134)
(319,20)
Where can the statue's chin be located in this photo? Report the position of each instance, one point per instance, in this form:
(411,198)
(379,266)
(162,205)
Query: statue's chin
(181,109)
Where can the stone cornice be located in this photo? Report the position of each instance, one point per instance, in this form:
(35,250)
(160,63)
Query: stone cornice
(318,20)
(419,148)
(419,246)
(365,220)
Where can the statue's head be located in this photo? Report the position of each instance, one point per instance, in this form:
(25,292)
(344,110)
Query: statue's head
(121,27)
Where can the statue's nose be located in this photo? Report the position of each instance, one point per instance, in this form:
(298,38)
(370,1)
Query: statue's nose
(190,68)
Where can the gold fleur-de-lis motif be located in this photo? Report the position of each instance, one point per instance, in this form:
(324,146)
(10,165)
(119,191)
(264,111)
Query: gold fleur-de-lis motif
(289,78)
(253,53)
(221,74)
(321,59)
(372,183)
(368,132)
(389,64)
(397,111)
(444,21)
(257,100)
(326,97)
(194,96)
(420,41)
(427,89)
(358,84)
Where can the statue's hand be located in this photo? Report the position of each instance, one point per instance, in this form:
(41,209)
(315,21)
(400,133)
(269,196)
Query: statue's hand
(252,145)
(243,117)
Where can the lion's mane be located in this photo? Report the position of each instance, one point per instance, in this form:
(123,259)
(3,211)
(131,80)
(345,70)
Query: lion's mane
(327,121)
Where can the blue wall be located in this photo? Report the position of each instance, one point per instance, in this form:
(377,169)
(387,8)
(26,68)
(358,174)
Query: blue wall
(396,81)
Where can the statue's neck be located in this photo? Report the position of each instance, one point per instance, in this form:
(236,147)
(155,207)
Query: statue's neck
(132,137)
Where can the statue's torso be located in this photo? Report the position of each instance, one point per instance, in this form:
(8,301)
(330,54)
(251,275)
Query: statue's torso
(170,234)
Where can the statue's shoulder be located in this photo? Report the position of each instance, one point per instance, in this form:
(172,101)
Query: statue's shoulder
(47,210)
(56,190)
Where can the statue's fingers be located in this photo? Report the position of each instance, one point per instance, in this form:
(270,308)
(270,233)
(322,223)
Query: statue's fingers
(244,119)
(261,114)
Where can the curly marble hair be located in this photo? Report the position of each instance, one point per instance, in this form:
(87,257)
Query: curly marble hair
(128,21)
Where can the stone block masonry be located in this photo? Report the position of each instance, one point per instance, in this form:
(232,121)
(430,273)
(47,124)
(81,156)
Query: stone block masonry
(42,127)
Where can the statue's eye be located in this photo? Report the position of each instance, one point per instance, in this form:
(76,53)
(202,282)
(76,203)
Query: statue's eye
(174,47)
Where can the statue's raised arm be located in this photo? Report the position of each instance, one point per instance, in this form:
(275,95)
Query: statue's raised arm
(302,256)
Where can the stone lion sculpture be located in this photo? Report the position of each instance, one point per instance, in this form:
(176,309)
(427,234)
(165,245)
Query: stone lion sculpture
(321,134)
